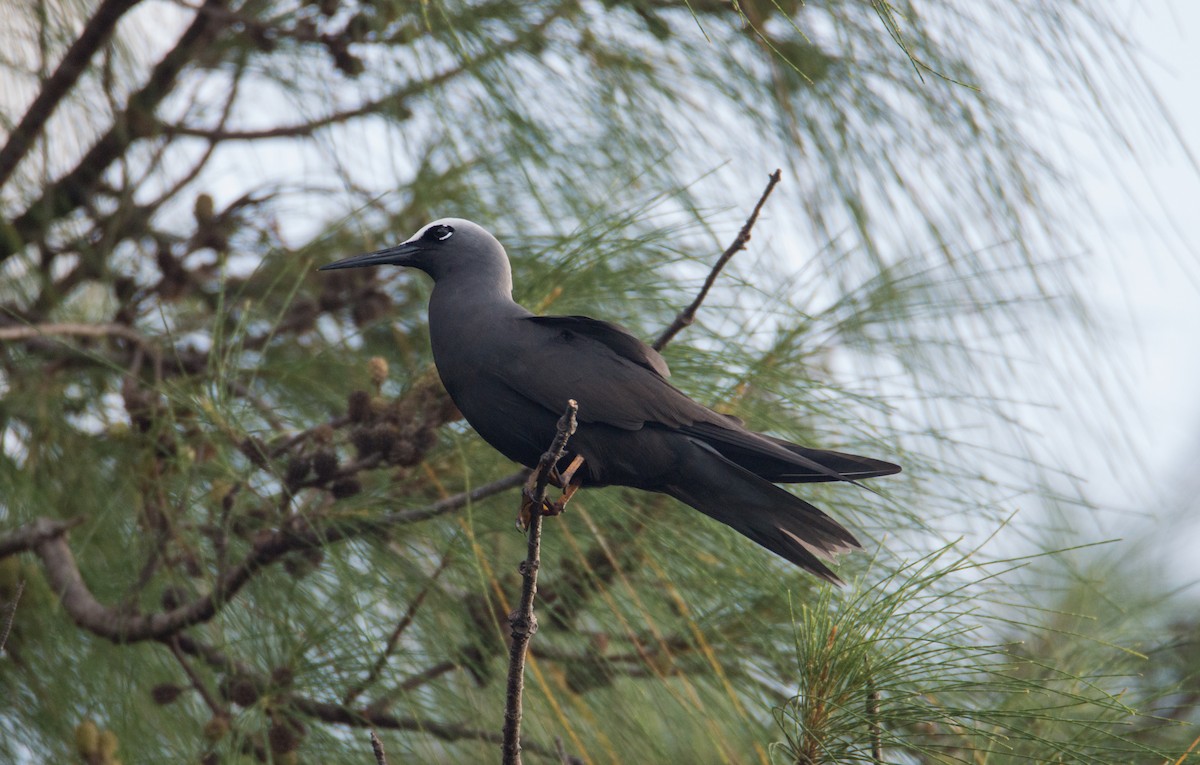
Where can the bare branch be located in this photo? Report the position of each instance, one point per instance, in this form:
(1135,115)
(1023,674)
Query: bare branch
(362,718)
(377,748)
(12,614)
(412,683)
(872,714)
(523,621)
(45,537)
(688,315)
(394,101)
(292,441)
(69,192)
(76,330)
(29,536)
(83,330)
(99,27)
(197,682)
(40,331)
(393,639)
(341,714)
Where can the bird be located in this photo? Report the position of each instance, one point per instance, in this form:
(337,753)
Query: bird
(511,373)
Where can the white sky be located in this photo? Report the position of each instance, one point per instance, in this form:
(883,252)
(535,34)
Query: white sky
(1153,290)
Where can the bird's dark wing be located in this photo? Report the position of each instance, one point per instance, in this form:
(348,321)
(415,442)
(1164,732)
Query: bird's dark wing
(618,339)
(781,461)
(617,379)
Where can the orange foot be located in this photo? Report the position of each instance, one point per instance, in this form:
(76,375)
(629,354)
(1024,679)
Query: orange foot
(568,481)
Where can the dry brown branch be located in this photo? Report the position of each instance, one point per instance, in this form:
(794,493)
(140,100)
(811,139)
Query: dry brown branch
(11,615)
(523,621)
(872,710)
(78,330)
(46,538)
(30,535)
(293,440)
(340,714)
(411,683)
(393,101)
(221,134)
(51,92)
(393,639)
(71,191)
(197,682)
(377,748)
(362,718)
(688,315)
(37,331)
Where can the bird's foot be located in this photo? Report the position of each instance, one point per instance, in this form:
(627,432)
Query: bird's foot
(566,481)
(526,513)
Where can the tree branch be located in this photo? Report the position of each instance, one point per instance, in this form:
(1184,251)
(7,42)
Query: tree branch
(46,538)
(78,330)
(395,100)
(523,621)
(29,536)
(688,315)
(70,191)
(339,714)
(101,24)
(12,614)
(197,682)
(377,748)
(393,639)
(362,718)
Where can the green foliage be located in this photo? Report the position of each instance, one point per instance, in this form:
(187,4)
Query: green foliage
(934,663)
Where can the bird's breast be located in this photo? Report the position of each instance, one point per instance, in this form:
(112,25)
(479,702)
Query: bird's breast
(473,358)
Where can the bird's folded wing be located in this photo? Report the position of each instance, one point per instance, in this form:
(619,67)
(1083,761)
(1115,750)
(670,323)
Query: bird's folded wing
(618,339)
(617,379)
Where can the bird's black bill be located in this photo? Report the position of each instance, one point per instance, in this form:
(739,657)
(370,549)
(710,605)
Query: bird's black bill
(400,255)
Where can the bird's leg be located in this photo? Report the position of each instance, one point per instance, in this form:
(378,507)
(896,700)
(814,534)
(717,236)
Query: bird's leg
(569,485)
(565,480)
(526,512)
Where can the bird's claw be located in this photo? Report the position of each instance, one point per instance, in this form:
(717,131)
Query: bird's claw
(566,480)
(525,514)
(548,509)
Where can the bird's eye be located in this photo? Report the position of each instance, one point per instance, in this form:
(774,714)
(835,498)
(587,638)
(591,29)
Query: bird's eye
(440,233)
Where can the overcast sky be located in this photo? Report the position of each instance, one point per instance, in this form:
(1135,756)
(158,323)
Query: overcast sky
(1154,286)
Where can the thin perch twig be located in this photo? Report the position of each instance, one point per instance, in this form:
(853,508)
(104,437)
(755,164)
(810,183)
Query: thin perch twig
(873,718)
(405,620)
(197,682)
(377,747)
(523,621)
(12,614)
(688,315)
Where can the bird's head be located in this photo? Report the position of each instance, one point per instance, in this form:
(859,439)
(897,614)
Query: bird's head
(449,246)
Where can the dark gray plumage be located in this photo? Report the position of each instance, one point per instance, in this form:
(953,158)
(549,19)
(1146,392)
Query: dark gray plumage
(511,373)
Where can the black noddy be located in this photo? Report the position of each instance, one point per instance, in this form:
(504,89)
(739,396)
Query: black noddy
(511,374)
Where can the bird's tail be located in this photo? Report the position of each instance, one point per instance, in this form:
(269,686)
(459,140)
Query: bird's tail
(756,508)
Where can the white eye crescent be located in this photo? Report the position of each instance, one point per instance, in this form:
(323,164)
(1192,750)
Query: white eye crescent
(439,233)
